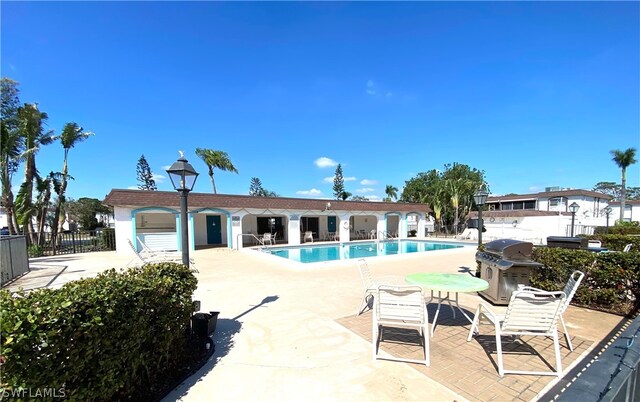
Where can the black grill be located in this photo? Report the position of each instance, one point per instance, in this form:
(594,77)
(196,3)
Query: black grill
(505,264)
(567,242)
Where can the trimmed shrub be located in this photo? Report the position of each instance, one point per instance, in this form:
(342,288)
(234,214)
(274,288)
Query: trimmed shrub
(626,228)
(616,242)
(611,283)
(103,338)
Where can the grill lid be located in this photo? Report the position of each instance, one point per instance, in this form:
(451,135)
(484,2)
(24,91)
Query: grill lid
(510,249)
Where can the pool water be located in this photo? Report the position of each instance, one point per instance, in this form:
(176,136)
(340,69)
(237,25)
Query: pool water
(348,251)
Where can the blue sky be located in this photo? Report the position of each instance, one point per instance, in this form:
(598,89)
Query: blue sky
(536,94)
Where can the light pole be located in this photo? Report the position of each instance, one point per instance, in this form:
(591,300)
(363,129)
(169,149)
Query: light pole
(607,211)
(183,176)
(480,198)
(574,207)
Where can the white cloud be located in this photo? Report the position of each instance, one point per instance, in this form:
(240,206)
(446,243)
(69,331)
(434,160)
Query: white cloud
(374,198)
(165,168)
(367,182)
(365,190)
(328,179)
(324,162)
(133,188)
(371,88)
(350,178)
(313,192)
(158,178)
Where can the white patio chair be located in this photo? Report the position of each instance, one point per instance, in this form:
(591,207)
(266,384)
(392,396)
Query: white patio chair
(400,307)
(308,236)
(267,238)
(372,234)
(627,248)
(528,313)
(371,285)
(569,291)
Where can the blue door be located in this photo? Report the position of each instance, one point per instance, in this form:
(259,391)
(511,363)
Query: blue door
(214,229)
(331,223)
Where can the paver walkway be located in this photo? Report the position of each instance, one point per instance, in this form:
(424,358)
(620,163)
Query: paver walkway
(470,368)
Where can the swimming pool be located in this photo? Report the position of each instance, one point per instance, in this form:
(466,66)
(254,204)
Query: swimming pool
(347,251)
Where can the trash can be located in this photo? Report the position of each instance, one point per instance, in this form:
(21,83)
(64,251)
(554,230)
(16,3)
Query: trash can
(203,324)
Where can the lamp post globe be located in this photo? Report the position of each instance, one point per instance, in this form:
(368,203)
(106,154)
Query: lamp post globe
(183,177)
(573,208)
(480,198)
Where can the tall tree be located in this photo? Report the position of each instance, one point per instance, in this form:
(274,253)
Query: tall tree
(215,159)
(11,147)
(31,126)
(255,189)
(392,192)
(145,177)
(71,135)
(338,184)
(624,159)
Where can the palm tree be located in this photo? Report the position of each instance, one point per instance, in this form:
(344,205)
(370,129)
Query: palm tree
(71,135)
(11,146)
(624,159)
(392,192)
(30,125)
(215,159)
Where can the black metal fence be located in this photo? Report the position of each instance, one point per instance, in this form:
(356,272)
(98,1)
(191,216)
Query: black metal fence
(612,375)
(46,243)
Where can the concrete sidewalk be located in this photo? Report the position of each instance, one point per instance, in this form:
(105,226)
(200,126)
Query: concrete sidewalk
(281,335)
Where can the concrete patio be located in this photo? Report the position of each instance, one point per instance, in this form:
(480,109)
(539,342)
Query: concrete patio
(290,333)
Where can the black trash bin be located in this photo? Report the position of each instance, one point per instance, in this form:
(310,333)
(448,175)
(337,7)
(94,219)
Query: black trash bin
(203,324)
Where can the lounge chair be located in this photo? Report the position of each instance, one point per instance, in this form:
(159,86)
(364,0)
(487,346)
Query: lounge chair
(148,256)
(627,248)
(528,313)
(400,307)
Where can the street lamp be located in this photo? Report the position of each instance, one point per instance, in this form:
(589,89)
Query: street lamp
(480,198)
(573,208)
(607,211)
(183,176)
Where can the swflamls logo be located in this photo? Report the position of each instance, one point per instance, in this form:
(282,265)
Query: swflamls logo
(47,392)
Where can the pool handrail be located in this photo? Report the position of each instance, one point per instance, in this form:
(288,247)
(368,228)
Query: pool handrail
(258,240)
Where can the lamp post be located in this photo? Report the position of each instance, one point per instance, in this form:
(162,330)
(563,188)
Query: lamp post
(574,207)
(480,198)
(607,211)
(183,176)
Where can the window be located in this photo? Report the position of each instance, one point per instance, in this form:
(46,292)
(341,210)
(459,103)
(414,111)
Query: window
(529,205)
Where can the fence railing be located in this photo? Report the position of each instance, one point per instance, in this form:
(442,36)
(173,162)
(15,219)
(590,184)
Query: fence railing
(14,260)
(41,244)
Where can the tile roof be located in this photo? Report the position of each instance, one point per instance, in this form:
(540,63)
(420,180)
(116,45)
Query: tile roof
(143,198)
(515,213)
(628,202)
(548,194)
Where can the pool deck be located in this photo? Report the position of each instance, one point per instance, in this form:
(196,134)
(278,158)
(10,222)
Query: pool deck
(291,334)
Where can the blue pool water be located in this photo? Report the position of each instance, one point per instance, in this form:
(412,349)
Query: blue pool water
(348,251)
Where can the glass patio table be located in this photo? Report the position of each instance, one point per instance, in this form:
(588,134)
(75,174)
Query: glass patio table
(449,283)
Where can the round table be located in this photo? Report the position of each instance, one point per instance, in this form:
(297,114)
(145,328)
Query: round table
(449,283)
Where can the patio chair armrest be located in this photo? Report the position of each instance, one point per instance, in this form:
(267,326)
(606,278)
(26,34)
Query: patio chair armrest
(529,288)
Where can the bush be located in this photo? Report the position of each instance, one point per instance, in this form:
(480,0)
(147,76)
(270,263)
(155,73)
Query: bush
(611,283)
(625,228)
(616,242)
(35,251)
(103,338)
(107,239)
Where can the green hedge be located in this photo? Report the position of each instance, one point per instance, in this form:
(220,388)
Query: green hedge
(616,242)
(97,339)
(611,283)
(620,229)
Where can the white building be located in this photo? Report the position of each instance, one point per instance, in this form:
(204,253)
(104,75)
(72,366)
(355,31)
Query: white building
(217,220)
(534,217)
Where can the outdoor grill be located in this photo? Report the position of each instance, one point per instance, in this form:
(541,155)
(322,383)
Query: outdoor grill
(567,242)
(505,264)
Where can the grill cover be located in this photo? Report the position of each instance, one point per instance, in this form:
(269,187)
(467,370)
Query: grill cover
(510,249)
